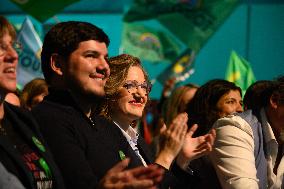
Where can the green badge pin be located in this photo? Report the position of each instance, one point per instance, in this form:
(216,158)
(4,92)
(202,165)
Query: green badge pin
(121,155)
(45,167)
(38,144)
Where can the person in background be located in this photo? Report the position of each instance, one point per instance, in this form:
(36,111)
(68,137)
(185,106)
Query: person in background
(22,149)
(169,85)
(249,148)
(74,62)
(252,98)
(177,101)
(152,121)
(127,93)
(215,99)
(33,93)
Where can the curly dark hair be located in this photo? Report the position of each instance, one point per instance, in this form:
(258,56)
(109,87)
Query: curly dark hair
(64,38)
(202,109)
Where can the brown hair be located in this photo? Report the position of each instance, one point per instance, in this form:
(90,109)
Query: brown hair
(119,67)
(172,106)
(6,28)
(32,89)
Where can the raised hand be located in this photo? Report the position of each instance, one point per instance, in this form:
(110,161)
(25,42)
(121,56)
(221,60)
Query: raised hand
(137,178)
(172,140)
(194,148)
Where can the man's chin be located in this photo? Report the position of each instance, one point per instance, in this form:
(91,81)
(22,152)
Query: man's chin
(99,94)
(95,95)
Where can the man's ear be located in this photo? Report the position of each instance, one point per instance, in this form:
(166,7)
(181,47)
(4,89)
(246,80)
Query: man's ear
(274,101)
(56,64)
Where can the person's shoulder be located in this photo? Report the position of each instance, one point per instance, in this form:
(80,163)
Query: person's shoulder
(101,121)
(237,120)
(14,108)
(20,112)
(49,108)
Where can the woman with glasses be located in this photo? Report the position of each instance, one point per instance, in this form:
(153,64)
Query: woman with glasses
(22,149)
(127,93)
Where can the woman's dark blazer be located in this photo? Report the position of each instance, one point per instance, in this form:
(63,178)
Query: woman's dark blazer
(11,159)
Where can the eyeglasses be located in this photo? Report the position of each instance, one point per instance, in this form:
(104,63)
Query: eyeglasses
(15,46)
(132,86)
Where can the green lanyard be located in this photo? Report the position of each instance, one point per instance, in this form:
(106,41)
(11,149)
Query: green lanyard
(42,162)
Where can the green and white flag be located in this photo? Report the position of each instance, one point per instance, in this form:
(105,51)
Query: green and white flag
(148,43)
(239,72)
(193,22)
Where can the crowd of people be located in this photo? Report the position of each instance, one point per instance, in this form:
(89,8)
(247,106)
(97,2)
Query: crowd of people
(78,127)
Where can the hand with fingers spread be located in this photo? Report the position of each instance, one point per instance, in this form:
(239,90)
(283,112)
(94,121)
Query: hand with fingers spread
(172,140)
(137,178)
(194,148)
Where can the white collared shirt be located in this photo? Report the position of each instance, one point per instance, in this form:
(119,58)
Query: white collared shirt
(132,137)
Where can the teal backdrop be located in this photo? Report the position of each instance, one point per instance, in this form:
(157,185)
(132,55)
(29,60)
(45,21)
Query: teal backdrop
(255,30)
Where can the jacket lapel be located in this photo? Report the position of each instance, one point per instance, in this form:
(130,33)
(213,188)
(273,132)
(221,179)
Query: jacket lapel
(113,139)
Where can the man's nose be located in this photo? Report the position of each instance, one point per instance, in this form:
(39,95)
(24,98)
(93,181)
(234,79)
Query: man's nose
(11,53)
(103,65)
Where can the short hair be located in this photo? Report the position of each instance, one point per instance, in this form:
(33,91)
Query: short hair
(32,89)
(64,38)
(119,67)
(6,28)
(171,107)
(253,98)
(202,109)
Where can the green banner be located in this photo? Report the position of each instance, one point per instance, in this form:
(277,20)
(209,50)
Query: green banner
(239,72)
(200,23)
(143,9)
(42,9)
(192,22)
(148,43)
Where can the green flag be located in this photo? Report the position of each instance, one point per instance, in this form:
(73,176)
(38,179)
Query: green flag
(148,9)
(201,22)
(42,9)
(148,43)
(193,22)
(239,72)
